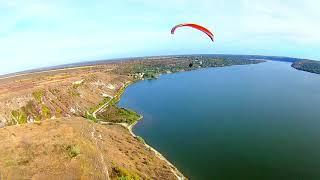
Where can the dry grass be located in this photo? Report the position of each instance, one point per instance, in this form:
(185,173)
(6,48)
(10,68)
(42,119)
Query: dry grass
(74,148)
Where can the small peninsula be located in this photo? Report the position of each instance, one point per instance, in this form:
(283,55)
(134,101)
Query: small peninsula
(307,65)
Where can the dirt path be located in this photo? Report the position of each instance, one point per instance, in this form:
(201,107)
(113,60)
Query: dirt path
(105,168)
(94,114)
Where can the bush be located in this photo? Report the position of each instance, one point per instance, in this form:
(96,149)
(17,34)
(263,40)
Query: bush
(124,174)
(19,116)
(73,151)
(46,112)
(37,95)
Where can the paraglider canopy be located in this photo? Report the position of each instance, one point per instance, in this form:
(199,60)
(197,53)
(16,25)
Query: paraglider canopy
(195,26)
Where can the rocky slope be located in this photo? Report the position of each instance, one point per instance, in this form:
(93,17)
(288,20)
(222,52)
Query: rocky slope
(63,93)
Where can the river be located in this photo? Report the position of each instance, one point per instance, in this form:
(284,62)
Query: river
(258,121)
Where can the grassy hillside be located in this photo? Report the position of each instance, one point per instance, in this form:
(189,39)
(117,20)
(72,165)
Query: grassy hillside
(75,148)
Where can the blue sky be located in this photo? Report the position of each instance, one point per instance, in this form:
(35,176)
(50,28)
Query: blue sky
(40,33)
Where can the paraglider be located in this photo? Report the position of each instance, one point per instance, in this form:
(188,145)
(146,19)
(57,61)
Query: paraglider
(195,26)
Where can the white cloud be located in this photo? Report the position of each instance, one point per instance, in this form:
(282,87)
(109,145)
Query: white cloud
(294,21)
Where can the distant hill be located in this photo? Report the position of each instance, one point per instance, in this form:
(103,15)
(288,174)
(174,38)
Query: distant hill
(307,65)
(97,62)
(257,57)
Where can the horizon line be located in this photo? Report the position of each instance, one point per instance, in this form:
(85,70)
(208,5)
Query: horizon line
(93,62)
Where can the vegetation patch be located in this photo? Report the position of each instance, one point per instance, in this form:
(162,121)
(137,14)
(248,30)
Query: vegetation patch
(116,98)
(118,115)
(124,174)
(113,113)
(103,102)
(38,95)
(150,75)
(150,69)
(19,116)
(90,116)
(58,111)
(73,151)
(46,112)
(37,123)
(141,139)
(77,85)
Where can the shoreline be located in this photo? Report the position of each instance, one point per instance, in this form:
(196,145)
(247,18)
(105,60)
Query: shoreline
(129,127)
(173,169)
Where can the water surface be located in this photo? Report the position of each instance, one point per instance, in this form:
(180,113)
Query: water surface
(240,122)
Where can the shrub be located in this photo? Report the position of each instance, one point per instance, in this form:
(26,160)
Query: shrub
(124,174)
(37,95)
(46,112)
(73,151)
(19,116)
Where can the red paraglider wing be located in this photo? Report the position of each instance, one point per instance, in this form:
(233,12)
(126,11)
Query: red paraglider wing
(195,26)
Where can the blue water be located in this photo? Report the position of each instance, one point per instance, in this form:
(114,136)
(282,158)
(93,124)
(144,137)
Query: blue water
(240,122)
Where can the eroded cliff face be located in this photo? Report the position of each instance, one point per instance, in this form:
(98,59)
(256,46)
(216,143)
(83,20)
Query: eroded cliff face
(61,93)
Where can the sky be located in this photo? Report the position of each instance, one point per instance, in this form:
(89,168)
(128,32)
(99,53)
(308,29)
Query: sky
(42,33)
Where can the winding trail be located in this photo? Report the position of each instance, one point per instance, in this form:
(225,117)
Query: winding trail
(102,161)
(94,114)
